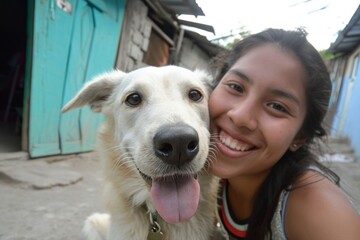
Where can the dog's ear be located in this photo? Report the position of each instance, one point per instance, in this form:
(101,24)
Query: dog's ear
(207,79)
(95,92)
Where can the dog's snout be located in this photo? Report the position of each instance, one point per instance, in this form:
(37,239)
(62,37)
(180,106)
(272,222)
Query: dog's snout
(176,144)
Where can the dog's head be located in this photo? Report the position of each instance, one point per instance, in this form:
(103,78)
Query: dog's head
(159,118)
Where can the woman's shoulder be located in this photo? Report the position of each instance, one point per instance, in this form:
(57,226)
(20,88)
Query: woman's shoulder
(318,209)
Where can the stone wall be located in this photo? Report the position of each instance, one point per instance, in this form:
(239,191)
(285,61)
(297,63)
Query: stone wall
(134,42)
(135,35)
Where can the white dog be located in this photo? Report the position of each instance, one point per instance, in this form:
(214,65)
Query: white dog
(154,144)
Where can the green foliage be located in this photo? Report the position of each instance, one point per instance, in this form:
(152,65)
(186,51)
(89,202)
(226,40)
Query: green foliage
(328,56)
(230,45)
(240,35)
(228,41)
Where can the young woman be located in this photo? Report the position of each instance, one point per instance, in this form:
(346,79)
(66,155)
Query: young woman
(267,110)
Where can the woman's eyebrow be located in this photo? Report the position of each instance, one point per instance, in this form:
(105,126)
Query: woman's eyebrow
(241,75)
(286,95)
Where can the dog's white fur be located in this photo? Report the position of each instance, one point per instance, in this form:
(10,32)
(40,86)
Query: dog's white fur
(126,147)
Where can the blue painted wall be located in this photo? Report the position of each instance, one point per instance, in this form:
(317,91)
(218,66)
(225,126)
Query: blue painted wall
(348,115)
(68,49)
(341,101)
(352,125)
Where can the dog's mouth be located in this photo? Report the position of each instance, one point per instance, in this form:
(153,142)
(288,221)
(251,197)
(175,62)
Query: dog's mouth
(176,197)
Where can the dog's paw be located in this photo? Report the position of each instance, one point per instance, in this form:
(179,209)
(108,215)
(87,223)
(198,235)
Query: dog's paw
(96,226)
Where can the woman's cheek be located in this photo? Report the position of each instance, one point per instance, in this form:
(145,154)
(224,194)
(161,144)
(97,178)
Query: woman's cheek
(215,101)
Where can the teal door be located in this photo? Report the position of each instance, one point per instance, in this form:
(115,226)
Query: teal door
(69,48)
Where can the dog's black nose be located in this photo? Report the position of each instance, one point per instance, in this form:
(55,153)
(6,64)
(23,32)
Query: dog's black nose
(176,144)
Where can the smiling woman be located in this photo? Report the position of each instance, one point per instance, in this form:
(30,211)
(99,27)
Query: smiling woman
(258,96)
(266,111)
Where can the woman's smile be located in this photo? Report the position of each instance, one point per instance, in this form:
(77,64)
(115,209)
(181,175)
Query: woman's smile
(234,144)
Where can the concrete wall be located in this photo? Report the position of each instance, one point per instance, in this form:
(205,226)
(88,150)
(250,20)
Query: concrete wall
(192,57)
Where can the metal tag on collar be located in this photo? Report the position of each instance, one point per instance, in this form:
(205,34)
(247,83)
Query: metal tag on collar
(155,232)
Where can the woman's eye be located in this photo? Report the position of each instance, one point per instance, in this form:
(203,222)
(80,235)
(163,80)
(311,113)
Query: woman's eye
(278,107)
(133,99)
(195,95)
(236,87)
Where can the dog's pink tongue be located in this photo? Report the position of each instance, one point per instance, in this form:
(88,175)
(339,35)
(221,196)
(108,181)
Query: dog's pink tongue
(176,199)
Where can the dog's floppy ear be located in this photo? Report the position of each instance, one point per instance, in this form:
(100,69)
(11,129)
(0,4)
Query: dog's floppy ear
(95,92)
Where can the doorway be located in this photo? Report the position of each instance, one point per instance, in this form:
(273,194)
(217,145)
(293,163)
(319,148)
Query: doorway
(13,24)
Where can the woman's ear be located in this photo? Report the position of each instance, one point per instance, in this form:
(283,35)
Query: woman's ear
(295,146)
(297,143)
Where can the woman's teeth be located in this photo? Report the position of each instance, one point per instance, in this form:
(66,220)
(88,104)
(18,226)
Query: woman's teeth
(233,143)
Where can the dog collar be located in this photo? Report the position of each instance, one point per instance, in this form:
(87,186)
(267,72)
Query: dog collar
(155,232)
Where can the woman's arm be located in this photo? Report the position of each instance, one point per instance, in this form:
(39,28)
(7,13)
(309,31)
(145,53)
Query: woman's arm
(318,209)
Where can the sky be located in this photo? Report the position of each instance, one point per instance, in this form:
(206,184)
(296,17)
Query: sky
(322,19)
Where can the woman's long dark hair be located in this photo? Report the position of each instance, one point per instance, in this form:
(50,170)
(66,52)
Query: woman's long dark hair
(292,164)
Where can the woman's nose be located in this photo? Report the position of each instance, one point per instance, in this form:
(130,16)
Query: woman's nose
(244,115)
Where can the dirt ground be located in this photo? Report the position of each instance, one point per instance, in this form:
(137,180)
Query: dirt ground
(34,207)
(57,212)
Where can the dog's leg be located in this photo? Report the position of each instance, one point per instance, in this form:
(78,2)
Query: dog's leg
(131,225)
(97,226)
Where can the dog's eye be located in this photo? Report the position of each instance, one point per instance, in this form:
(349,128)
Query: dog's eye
(133,99)
(195,95)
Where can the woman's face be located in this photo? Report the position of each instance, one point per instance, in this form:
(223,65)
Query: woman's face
(257,110)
